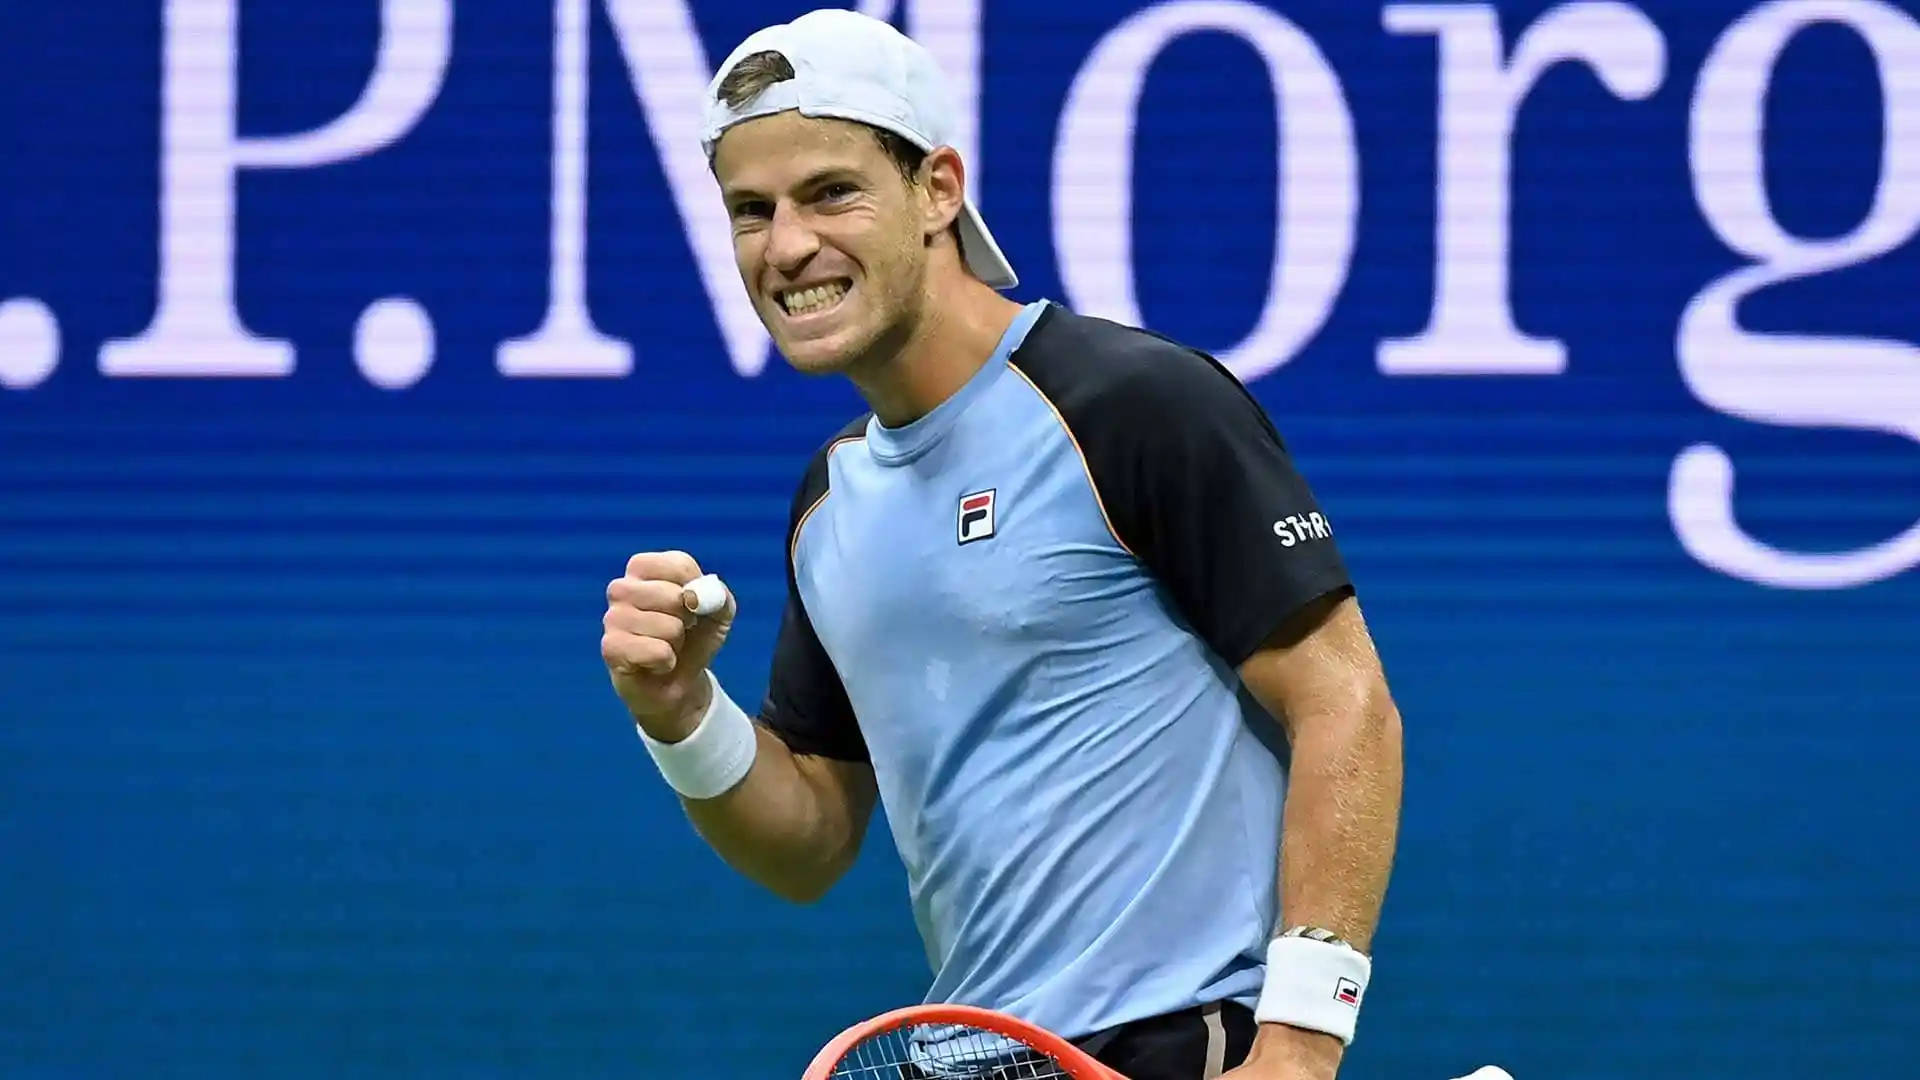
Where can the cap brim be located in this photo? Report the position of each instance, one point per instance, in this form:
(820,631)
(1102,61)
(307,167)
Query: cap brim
(984,257)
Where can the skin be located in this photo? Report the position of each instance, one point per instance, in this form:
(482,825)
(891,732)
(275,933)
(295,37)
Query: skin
(814,201)
(818,202)
(1320,677)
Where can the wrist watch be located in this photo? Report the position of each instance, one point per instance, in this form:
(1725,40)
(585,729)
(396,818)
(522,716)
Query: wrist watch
(1315,933)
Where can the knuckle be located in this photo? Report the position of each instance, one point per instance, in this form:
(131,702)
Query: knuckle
(682,564)
(657,653)
(665,599)
(644,596)
(630,653)
(672,567)
(636,638)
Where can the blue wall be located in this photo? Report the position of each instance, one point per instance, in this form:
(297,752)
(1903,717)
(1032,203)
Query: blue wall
(308,764)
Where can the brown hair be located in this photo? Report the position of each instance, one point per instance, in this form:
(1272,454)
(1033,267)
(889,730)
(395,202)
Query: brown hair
(750,78)
(754,73)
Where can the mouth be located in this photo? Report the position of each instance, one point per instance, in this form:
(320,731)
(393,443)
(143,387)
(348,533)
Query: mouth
(812,300)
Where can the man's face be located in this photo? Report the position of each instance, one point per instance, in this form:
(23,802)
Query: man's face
(828,236)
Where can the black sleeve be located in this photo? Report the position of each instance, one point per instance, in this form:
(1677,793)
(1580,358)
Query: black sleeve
(1193,477)
(806,704)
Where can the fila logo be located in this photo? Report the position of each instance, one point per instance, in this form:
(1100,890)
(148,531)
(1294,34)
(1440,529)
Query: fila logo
(1348,991)
(1300,528)
(976,516)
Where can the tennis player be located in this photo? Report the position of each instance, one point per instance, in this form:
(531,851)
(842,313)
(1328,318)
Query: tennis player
(1061,601)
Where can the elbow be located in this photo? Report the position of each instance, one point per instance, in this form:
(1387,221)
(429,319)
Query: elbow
(1379,727)
(809,885)
(1373,709)
(801,893)
(810,871)
(1389,714)
(1363,723)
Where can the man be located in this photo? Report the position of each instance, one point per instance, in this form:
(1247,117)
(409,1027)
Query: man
(1049,601)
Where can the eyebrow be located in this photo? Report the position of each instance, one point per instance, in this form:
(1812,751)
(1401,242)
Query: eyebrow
(815,179)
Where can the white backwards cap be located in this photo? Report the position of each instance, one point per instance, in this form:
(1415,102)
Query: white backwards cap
(853,67)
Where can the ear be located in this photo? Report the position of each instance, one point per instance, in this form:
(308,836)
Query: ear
(943,179)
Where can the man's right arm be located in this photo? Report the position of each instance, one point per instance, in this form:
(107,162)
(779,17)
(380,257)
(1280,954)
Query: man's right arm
(794,821)
(794,824)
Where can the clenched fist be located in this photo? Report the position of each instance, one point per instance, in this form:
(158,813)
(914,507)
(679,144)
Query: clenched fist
(656,649)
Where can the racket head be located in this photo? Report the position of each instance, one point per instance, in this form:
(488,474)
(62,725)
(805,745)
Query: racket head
(952,1042)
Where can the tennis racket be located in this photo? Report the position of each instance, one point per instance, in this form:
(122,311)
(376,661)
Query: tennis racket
(952,1042)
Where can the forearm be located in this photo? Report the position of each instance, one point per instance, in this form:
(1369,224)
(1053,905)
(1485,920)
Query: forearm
(791,823)
(779,827)
(1321,678)
(1342,819)
(1341,822)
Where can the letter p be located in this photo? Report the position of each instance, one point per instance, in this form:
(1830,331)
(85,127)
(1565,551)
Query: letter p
(195,330)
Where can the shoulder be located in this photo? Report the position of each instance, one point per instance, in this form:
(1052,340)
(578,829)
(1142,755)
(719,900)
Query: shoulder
(813,481)
(1106,375)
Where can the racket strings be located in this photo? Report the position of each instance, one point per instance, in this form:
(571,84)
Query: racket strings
(944,1052)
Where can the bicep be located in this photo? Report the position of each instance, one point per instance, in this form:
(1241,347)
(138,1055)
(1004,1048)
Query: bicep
(806,703)
(807,712)
(848,789)
(1319,662)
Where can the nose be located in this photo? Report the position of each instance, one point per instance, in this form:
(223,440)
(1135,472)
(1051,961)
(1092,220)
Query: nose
(790,240)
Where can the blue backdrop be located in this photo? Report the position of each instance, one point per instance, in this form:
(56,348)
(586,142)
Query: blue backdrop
(309,765)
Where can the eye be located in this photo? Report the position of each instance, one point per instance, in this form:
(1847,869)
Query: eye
(751,209)
(838,191)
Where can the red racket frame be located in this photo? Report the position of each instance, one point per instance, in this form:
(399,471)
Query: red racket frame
(1077,1063)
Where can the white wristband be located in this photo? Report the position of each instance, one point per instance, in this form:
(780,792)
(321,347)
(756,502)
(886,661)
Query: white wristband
(715,757)
(1315,985)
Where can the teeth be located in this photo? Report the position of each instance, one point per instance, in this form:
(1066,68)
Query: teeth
(806,301)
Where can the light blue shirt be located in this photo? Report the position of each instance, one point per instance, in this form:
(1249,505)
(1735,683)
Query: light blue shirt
(1089,822)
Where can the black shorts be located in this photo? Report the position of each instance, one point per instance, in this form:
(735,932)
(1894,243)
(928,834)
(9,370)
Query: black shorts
(1194,1044)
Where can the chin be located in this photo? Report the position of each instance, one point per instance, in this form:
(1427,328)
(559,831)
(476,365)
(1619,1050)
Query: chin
(817,357)
(831,355)
(812,360)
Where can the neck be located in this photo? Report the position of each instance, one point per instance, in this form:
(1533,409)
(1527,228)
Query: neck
(952,340)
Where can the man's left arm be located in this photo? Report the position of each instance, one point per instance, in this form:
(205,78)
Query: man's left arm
(1198,484)
(1321,678)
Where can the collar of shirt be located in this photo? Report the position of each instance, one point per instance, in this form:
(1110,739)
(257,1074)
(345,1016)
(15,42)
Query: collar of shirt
(900,445)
